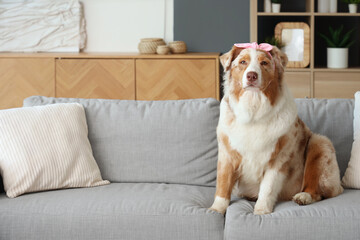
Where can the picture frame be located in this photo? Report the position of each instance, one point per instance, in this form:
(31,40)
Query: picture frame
(296,38)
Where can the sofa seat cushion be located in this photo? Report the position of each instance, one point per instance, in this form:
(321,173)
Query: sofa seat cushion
(115,211)
(330,219)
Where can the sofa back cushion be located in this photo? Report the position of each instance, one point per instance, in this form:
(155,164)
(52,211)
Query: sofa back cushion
(334,119)
(175,141)
(151,141)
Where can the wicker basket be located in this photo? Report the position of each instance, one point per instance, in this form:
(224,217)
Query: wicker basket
(178,47)
(149,45)
(162,49)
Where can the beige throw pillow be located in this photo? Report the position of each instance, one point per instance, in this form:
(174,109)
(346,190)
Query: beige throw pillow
(46,147)
(351,177)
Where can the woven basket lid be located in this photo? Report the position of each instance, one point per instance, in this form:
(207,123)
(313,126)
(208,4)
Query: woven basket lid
(151,39)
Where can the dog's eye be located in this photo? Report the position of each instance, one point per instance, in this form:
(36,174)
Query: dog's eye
(264,63)
(243,62)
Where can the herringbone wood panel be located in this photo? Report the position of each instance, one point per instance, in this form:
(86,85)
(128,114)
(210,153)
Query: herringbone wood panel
(95,78)
(171,79)
(24,77)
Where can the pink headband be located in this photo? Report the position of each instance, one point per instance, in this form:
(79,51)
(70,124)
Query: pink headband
(263,46)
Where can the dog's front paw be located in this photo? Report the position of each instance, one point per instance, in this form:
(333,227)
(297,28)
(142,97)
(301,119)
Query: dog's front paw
(217,210)
(220,205)
(261,209)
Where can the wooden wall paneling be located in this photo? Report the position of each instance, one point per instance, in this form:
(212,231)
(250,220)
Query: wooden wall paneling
(24,77)
(95,78)
(336,84)
(298,83)
(170,79)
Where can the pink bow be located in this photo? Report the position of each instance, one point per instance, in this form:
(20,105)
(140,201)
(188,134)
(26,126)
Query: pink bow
(263,46)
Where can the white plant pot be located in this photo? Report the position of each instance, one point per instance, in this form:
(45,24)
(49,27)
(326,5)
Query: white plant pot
(267,5)
(337,57)
(352,8)
(275,7)
(323,6)
(333,6)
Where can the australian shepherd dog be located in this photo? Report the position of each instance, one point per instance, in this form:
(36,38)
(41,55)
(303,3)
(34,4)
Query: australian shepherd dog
(266,152)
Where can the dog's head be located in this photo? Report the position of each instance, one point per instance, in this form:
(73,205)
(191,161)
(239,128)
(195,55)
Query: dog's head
(254,69)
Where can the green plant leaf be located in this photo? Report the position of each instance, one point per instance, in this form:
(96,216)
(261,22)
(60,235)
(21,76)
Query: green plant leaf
(332,35)
(336,39)
(346,38)
(331,31)
(337,33)
(329,42)
(274,41)
(350,43)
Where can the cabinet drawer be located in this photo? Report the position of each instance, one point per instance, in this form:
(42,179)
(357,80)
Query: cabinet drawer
(171,79)
(95,78)
(336,84)
(299,83)
(23,77)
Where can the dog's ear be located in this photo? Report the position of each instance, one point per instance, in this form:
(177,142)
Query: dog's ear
(279,56)
(227,58)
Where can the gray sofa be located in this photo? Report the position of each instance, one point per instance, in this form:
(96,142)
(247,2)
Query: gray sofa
(161,159)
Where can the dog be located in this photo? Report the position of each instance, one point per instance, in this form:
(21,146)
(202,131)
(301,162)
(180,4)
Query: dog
(265,151)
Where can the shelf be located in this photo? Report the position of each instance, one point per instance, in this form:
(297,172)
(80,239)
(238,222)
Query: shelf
(284,14)
(324,69)
(338,14)
(297,69)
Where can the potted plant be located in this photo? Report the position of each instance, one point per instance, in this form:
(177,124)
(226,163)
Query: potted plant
(338,47)
(274,41)
(275,6)
(352,5)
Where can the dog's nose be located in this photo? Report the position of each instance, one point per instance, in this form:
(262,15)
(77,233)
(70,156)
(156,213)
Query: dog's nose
(252,76)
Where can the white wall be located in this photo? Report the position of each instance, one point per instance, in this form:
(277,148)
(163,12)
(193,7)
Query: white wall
(118,25)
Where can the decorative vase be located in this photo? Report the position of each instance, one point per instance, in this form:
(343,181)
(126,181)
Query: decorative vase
(333,6)
(337,57)
(323,6)
(352,8)
(275,7)
(267,5)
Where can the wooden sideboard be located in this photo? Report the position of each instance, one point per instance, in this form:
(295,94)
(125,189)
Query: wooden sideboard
(143,77)
(110,76)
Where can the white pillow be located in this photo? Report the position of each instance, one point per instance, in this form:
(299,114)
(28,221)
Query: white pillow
(351,177)
(46,147)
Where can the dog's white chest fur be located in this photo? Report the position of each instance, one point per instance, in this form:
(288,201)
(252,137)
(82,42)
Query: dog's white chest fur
(255,133)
